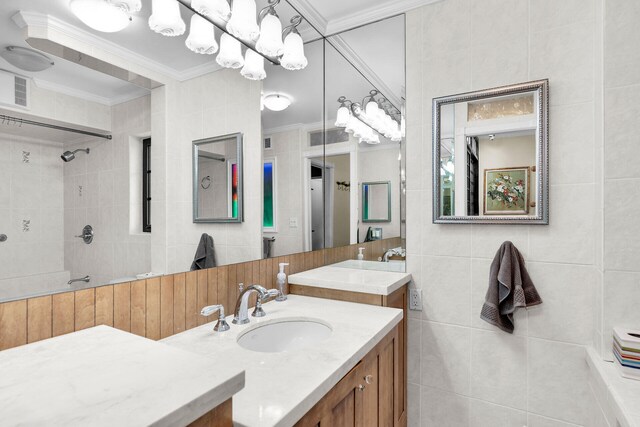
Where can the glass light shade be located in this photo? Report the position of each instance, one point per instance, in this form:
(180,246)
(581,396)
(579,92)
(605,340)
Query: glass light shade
(202,36)
(270,41)
(343,117)
(375,139)
(352,123)
(243,22)
(276,102)
(165,18)
(230,55)
(253,66)
(293,58)
(359,129)
(212,8)
(372,111)
(105,15)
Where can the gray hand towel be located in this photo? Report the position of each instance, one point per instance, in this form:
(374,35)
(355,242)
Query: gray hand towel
(205,255)
(510,287)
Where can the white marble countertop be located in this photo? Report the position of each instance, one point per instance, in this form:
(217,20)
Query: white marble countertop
(105,377)
(282,387)
(621,395)
(352,279)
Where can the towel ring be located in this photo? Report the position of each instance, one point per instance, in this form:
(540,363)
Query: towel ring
(205,182)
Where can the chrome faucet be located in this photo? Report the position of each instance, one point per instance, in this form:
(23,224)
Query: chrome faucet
(222,324)
(242,305)
(85,279)
(399,251)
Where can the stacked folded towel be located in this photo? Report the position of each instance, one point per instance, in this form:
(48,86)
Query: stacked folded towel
(626,349)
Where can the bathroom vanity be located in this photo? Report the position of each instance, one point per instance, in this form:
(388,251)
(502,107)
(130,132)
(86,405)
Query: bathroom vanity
(358,362)
(105,377)
(364,284)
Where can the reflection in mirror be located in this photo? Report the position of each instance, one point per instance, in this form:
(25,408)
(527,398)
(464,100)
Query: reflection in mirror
(490,159)
(376,201)
(364,126)
(217,179)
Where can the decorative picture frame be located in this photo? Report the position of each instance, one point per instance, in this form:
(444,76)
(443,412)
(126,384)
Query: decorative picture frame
(506,191)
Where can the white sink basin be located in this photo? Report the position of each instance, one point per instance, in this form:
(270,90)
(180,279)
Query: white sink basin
(391,266)
(284,335)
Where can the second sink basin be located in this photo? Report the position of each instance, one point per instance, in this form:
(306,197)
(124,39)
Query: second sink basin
(284,335)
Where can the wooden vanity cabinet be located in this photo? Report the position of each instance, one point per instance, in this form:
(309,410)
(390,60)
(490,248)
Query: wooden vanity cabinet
(387,363)
(365,397)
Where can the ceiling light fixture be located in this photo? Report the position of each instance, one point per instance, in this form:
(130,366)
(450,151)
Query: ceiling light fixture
(239,26)
(165,18)
(276,101)
(107,16)
(26,59)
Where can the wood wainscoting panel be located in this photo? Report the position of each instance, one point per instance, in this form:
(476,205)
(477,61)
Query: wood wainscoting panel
(63,313)
(223,276)
(166,306)
(104,305)
(191,300)
(201,301)
(39,318)
(13,324)
(85,308)
(139,307)
(179,303)
(152,318)
(122,306)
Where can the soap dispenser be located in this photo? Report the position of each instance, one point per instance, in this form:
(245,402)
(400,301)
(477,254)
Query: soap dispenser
(281,280)
(360,254)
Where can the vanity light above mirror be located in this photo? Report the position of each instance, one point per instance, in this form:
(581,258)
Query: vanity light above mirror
(491,156)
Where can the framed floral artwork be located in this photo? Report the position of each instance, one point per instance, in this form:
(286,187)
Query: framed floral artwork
(506,191)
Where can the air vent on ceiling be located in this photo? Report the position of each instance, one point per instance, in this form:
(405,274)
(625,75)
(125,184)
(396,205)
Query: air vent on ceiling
(331,136)
(14,90)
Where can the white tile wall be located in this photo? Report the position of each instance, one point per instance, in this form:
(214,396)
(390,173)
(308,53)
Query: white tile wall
(104,201)
(470,373)
(215,104)
(31,189)
(620,291)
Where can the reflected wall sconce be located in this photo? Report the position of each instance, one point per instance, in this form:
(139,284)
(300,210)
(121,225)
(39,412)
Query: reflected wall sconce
(107,16)
(378,117)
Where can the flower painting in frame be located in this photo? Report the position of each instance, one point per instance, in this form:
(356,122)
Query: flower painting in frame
(506,191)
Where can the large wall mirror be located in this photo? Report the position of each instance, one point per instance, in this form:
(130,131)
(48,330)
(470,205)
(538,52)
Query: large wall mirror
(265,168)
(217,179)
(490,156)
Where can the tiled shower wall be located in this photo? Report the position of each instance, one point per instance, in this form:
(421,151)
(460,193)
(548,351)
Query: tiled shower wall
(96,193)
(31,215)
(462,371)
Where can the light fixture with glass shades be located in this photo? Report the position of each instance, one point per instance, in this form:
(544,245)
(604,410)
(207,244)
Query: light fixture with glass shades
(378,117)
(107,16)
(262,35)
(276,101)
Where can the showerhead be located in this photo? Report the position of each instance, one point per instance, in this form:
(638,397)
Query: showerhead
(67,156)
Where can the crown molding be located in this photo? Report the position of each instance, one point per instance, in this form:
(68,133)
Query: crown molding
(306,9)
(38,20)
(372,14)
(351,55)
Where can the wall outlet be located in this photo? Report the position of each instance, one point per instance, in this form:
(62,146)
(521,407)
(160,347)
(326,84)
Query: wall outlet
(415,299)
(293,222)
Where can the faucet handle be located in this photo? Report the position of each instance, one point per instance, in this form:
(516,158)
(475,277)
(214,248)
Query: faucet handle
(222,324)
(259,311)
